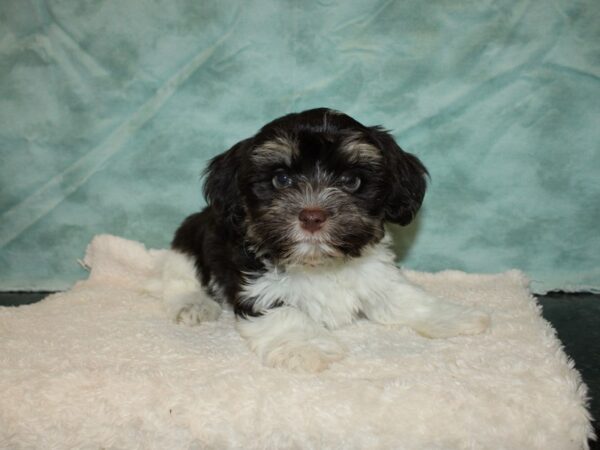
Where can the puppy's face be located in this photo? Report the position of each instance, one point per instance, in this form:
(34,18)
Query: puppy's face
(314,186)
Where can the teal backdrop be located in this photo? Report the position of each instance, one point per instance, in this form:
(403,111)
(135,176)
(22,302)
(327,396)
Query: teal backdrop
(110,109)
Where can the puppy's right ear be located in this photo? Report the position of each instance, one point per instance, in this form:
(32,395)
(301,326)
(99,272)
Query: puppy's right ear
(221,189)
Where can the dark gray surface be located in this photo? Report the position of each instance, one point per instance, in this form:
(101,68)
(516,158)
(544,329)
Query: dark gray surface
(576,318)
(21,298)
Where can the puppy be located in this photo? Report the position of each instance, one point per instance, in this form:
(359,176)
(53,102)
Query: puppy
(293,239)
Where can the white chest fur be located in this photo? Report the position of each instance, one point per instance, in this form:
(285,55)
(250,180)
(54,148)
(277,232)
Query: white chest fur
(332,294)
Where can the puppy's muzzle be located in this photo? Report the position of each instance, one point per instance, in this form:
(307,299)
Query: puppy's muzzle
(312,219)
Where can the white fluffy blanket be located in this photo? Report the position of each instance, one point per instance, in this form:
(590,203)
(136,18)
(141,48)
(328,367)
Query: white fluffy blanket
(101,366)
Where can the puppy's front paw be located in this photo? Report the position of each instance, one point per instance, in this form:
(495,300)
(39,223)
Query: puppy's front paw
(195,313)
(459,321)
(305,356)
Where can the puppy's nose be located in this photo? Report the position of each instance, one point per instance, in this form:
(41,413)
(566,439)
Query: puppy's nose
(312,219)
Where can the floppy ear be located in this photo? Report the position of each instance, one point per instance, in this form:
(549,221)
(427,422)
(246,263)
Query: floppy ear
(407,179)
(221,186)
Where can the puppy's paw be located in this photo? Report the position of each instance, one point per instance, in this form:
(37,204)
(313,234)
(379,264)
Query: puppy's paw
(195,313)
(461,321)
(305,356)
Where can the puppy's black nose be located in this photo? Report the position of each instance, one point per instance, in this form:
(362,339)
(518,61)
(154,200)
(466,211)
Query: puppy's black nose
(312,219)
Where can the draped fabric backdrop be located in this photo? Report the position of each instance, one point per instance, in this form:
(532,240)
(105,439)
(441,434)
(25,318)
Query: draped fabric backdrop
(110,109)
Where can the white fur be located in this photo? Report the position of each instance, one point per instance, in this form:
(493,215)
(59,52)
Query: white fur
(287,338)
(330,295)
(334,294)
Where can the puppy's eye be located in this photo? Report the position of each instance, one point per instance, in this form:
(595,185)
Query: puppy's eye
(350,183)
(282,180)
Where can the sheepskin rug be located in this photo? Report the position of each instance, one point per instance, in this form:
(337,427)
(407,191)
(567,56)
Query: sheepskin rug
(101,366)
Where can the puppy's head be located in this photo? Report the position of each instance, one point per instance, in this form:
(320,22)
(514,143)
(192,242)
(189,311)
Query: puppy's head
(313,186)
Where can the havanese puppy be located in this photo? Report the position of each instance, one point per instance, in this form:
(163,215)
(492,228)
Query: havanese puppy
(293,239)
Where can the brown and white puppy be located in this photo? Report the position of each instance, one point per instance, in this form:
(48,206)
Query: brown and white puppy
(293,239)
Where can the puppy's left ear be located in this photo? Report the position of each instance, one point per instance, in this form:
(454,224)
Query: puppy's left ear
(407,179)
